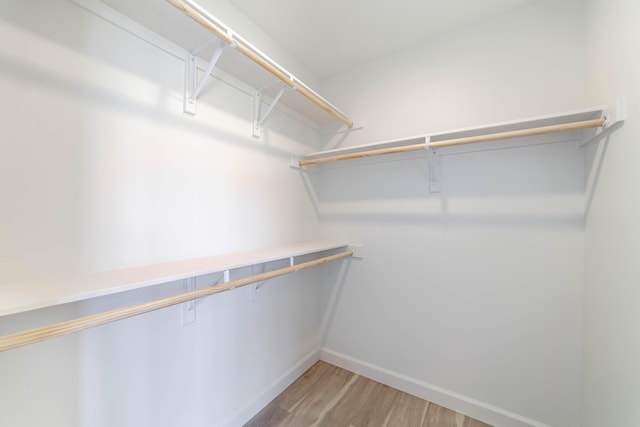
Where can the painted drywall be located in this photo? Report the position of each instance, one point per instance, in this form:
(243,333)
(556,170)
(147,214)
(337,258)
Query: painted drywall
(475,291)
(611,379)
(100,169)
(527,63)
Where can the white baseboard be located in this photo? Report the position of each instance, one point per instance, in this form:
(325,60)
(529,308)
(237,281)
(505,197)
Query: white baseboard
(465,405)
(241,417)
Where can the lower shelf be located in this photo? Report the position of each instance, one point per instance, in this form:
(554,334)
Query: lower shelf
(17,297)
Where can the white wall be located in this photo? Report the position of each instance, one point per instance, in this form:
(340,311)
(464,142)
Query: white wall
(100,169)
(527,63)
(611,378)
(473,293)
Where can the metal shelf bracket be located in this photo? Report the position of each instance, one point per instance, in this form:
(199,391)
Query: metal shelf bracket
(614,117)
(294,162)
(193,87)
(189,307)
(257,107)
(434,167)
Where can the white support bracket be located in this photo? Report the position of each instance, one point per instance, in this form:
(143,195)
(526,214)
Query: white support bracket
(294,162)
(620,113)
(189,307)
(255,288)
(259,269)
(434,166)
(357,249)
(613,116)
(257,107)
(193,87)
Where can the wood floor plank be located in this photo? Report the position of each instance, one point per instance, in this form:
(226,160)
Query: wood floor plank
(271,416)
(378,405)
(353,401)
(369,404)
(328,396)
(408,411)
(439,416)
(311,406)
(303,385)
(472,422)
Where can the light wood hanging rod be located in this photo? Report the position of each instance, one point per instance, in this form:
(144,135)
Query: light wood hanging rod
(9,342)
(460,141)
(201,16)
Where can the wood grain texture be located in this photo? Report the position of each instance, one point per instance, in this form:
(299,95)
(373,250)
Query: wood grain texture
(247,50)
(33,336)
(21,293)
(328,396)
(542,130)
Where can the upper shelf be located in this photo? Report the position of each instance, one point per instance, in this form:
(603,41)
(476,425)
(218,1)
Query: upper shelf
(190,26)
(559,122)
(28,295)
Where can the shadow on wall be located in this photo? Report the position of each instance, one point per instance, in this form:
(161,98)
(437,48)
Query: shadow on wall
(95,47)
(104,98)
(333,278)
(595,153)
(531,186)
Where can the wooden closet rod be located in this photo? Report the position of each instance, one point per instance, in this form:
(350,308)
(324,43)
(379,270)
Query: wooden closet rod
(202,17)
(9,342)
(460,141)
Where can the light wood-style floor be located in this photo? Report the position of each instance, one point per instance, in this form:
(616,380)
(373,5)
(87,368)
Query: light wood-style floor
(329,396)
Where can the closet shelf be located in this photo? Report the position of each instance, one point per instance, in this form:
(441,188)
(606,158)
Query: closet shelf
(529,127)
(433,144)
(194,29)
(25,295)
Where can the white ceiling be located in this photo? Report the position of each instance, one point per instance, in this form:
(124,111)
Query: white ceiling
(329,36)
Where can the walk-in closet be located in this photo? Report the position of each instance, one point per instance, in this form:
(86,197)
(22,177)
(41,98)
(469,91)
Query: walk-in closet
(338,213)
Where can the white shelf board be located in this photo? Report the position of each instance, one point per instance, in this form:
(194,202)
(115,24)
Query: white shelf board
(526,123)
(165,20)
(21,296)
